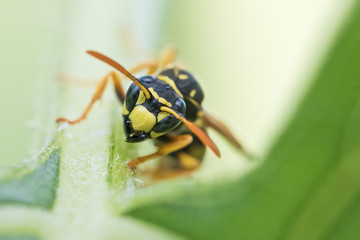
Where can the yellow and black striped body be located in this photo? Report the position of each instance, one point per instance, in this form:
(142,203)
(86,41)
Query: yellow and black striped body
(193,96)
(174,88)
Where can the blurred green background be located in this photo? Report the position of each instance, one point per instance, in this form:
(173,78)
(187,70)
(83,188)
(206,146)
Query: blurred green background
(20,46)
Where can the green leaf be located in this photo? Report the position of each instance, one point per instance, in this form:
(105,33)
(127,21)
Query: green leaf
(23,237)
(308,187)
(37,188)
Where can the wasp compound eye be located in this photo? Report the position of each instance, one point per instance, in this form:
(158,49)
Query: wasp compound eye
(147,79)
(132,96)
(180,106)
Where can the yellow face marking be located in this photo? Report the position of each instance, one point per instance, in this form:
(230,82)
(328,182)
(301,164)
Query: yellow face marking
(165,102)
(141,119)
(155,134)
(125,110)
(192,93)
(183,76)
(160,99)
(141,98)
(162,115)
(156,96)
(171,83)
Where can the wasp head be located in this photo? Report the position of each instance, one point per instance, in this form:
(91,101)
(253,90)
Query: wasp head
(143,118)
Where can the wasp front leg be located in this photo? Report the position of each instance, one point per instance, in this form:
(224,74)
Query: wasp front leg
(97,95)
(178,142)
(151,67)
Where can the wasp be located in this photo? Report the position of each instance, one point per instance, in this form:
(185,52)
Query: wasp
(164,105)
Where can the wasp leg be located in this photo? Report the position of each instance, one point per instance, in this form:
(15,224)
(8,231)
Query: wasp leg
(150,65)
(187,164)
(77,81)
(221,128)
(97,95)
(167,56)
(178,142)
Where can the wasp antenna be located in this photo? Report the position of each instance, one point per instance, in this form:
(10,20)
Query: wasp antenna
(120,68)
(204,138)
